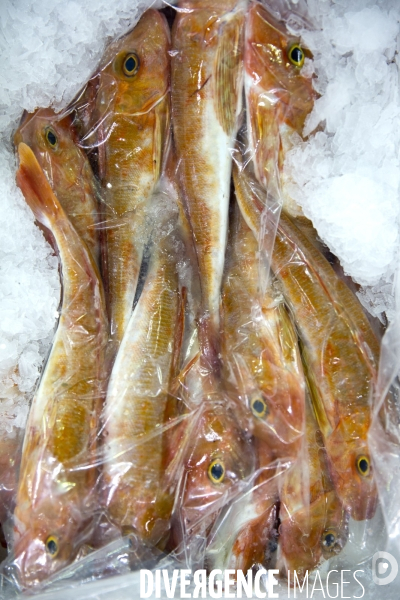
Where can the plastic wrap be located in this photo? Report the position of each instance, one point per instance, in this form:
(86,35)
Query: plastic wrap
(215,398)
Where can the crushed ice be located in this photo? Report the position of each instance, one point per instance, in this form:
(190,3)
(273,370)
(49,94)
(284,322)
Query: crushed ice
(346,175)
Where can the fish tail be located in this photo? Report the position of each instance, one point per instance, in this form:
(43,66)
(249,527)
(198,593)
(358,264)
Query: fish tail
(36,188)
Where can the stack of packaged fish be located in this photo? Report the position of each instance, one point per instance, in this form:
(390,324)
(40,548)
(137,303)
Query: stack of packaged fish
(210,382)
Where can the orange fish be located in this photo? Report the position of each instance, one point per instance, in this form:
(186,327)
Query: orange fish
(219,457)
(341,358)
(55,145)
(314,525)
(263,366)
(207,79)
(246,534)
(131,126)
(339,349)
(138,494)
(278,96)
(56,501)
(259,348)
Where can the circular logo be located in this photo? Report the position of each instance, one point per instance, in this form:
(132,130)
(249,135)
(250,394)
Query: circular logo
(384,568)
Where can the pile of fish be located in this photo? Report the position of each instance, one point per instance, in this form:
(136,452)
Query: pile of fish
(210,382)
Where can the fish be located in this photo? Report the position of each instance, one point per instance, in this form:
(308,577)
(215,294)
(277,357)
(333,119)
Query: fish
(245,535)
(313,522)
(56,497)
(262,363)
(340,352)
(341,358)
(131,128)
(218,459)
(138,494)
(279,97)
(262,366)
(55,144)
(206,93)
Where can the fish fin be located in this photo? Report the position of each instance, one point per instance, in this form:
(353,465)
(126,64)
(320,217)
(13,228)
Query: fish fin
(250,206)
(266,142)
(36,188)
(101,151)
(181,376)
(189,366)
(157,145)
(228,75)
(314,393)
(288,337)
(161,135)
(345,303)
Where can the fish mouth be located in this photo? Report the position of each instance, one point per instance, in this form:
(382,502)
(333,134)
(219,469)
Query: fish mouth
(30,563)
(26,116)
(363,508)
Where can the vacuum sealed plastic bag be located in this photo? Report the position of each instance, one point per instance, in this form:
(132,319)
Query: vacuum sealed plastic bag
(215,398)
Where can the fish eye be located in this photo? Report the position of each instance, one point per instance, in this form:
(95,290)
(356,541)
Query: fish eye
(51,137)
(329,539)
(296,55)
(259,407)
(363,465)
(131,64)
(216,471)
(52,546)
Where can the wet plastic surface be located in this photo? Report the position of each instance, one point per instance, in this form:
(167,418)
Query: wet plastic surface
(215,397)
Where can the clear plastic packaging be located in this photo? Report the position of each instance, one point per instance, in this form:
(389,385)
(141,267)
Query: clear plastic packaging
(215,397)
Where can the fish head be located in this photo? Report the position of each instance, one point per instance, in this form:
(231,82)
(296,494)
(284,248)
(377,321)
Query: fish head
(53,140)
(219,459)
(313,533)
(336,527)
(279,95)
(271,385)
(134,75)
(351,466)
(273,62)
(51,521)
(277,404)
